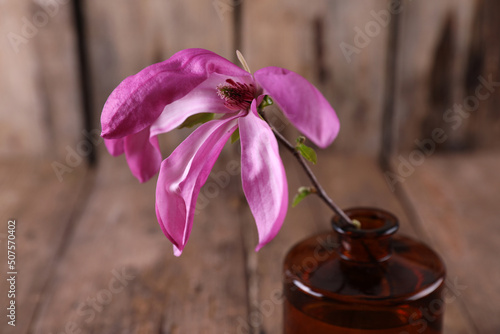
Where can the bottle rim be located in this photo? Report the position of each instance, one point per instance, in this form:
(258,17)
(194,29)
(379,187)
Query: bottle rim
(375,222)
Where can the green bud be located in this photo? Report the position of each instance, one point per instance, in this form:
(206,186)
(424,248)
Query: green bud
(307,152)
(300,140)
(266,101)
(356,223)
(303,192)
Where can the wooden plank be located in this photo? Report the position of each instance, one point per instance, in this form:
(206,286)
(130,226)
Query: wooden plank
(315,39)
(195,24)
(203,291)
(264,26)
(58,78)
(351,181)
(20,117)
(434,70)
(357,80)
(484,124)
(40,101)
(42,207)
(456,199)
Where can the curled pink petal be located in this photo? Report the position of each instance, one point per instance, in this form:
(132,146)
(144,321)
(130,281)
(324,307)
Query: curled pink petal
(115,146)
(303,104)
(140,99)
(183,174)
(263,175)
(143,154)
(202,99)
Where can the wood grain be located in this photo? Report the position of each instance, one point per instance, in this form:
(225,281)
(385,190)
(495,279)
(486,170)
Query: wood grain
(435,44)
(456,201)
(483,60)
(309,39)
(203,291)
(40,106)
(43,208)
(356,82)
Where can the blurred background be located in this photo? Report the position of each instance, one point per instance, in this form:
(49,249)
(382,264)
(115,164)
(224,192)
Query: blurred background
(416,87)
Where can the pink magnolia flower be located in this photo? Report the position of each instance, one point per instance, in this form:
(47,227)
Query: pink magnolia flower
(162,96)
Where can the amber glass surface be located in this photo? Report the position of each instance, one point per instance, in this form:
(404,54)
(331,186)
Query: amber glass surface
(363,281)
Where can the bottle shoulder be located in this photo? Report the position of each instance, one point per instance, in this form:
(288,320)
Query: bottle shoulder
(413,270)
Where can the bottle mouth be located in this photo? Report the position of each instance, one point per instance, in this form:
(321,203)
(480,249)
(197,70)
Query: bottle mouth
(374,223)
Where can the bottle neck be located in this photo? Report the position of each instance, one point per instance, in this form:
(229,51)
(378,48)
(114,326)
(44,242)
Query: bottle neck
(371,243)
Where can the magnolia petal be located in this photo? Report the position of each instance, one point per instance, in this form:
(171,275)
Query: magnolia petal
(140,99)
(263,175)
(143,154)
(115,146)
(202,99)
(301,102)
(183,174)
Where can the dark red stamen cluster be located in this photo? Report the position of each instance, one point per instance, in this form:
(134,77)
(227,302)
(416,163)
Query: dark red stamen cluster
(236,95)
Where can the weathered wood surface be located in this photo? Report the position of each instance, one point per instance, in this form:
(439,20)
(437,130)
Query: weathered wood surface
(317,42)
(119,274)
(44,209)
(455,199)
(104,266)
(40,105)
(445,55)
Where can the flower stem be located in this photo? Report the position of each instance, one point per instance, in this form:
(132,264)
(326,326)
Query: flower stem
(319,189)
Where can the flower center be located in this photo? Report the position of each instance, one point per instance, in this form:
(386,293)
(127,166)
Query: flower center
(236,95)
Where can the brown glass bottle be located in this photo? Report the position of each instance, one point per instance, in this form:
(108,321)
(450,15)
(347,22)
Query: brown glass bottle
(364,280)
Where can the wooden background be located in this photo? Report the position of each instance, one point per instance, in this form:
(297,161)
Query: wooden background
(394,78)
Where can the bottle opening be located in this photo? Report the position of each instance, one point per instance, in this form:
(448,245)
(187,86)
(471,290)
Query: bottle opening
(374,223)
